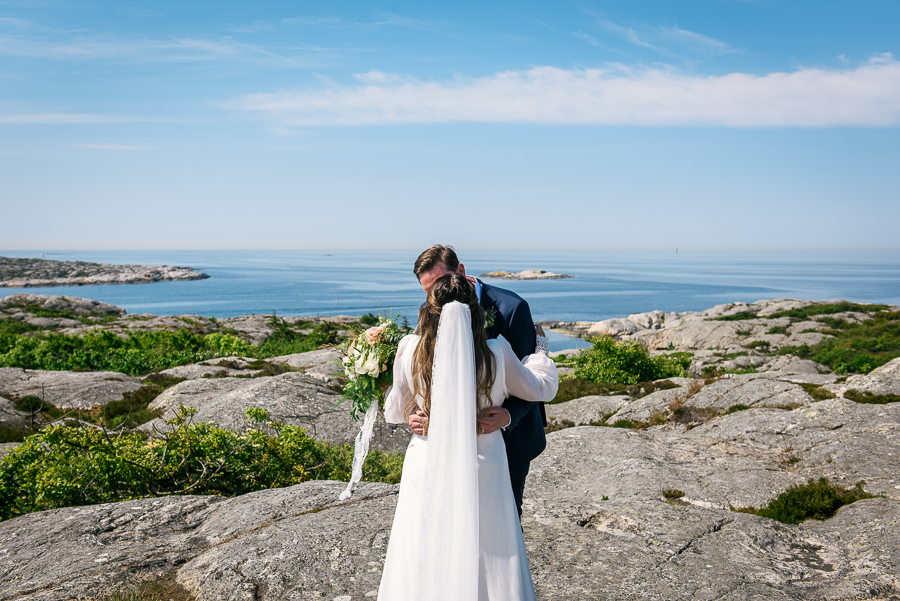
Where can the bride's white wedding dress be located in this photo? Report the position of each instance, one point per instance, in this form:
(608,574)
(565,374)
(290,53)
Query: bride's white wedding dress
(456,532)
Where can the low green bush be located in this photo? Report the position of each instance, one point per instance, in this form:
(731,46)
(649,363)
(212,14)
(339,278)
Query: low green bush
(816,392)
(611,362)
(63,466)
(740,316)
(828,309)
(140,353)
(856,348)
(870,398)
(817,500)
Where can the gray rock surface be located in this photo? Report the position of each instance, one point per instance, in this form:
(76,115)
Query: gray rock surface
(39,273)
(67,389)
(644,408)
(295,398)
(750,391)
(10,417)
(88,552)
(596,526)
(324,364)
(213,368)
(528,274)
(586,409)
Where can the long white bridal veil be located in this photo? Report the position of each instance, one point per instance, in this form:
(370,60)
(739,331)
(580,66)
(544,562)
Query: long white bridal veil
(447,568)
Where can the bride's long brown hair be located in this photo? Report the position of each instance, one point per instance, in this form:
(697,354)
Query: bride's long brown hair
(448,288)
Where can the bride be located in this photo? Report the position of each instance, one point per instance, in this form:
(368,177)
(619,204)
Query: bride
(456,532)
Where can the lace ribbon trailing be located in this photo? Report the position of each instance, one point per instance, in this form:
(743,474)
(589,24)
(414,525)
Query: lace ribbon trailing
(361,449)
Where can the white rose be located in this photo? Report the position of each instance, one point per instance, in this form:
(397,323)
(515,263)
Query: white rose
(371,365)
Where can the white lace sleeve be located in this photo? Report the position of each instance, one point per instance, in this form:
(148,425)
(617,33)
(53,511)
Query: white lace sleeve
(535,378)
(401,391)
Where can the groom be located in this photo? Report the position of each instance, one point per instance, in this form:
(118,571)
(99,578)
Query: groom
(522,422)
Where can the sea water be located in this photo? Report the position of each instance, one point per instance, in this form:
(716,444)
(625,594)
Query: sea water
(606,282)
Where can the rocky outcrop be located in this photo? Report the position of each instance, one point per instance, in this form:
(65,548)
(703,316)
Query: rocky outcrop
(295,398)
(12,418)
(528,274)
(596,523)
(89,552)
(882,380)
(67,389)
(728,337)
(42,273)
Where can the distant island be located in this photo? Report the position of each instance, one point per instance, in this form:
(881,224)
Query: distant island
(528,274)
(40,273)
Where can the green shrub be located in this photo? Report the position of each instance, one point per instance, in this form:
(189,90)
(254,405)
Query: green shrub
(64,466)
(778,330)
(740,316)
(817,500)
(672,493)
(816,392)
(14,434)
(828,309)
(763,344)
(608,361)
(870,398)
(30,403)
(857,348)
(369,319)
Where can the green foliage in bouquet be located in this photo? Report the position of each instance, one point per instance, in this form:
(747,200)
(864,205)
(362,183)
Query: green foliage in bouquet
(369,363)
(608,361)
(66,466)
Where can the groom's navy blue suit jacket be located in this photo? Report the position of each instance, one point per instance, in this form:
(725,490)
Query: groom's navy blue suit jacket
(524,437)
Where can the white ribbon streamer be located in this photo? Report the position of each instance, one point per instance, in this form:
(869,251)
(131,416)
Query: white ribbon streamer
(361,449)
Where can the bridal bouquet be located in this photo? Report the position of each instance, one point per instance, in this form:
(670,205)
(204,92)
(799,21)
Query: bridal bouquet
(369,364)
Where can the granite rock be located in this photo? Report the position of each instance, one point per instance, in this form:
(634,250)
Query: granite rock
(89,552)
(749,391)
(40,273)
(294,398)
(596,525)
(586,409)
(67,389)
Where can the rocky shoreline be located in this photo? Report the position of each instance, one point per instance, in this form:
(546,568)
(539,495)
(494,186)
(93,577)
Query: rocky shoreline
(44,273)
(528,274)
(610,512)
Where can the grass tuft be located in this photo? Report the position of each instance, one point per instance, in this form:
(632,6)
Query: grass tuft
(818,500)
(870,398)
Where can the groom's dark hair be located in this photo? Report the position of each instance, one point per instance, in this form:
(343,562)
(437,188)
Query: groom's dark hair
(434,255)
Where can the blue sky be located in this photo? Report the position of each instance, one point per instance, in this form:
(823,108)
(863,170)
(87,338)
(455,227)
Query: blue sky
(393,124)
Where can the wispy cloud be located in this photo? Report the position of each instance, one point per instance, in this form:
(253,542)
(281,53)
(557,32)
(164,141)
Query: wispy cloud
(586,37)
(102,146)
(173,49)
(694,38)
(67,118)
(670,41)
(867,95)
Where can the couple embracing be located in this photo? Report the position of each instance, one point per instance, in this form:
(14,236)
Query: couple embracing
(467,384)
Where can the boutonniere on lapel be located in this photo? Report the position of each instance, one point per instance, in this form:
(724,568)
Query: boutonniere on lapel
(489,317)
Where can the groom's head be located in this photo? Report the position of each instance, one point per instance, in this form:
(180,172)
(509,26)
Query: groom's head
(435,262)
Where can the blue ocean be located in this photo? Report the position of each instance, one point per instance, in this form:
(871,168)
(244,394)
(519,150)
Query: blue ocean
(607,282)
